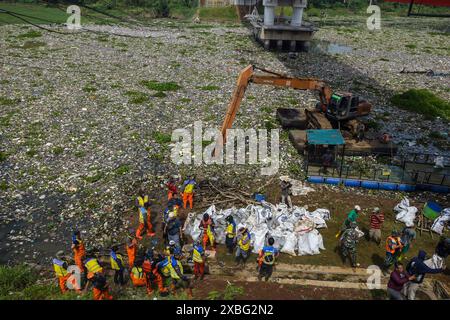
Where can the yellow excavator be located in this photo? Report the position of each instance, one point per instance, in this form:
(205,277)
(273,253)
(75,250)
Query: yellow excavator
(336,106)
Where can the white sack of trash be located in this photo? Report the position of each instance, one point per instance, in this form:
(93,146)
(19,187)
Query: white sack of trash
(294,230)
(441,221)
(404,212)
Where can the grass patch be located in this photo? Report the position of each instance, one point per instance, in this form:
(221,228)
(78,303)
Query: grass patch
(30,34)
(89,88)
(94,178)
(58,150)
(411,46)
(136,97)
(424,102)
(160,86)
(221,14)
(123,169)
(3,186)
(209,88)
(8,102)
(161,137)
(3,156)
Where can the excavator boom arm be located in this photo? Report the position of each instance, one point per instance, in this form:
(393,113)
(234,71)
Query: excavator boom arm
(247,75)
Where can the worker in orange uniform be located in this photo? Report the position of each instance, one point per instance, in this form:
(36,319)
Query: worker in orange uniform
(199,258)
(79,251)
(145,223)
(207,226)
(179,280)
(60,267)
(152,274)
(100,288)
(171,188)
(138,277)
(393,246)
(188,192)
(131,247)
(142,198)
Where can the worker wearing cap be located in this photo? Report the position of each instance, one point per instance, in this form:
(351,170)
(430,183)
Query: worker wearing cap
(145,223)
(79,251)
(131,247)
(348,242)
(243,245)
(117,265)
(393,245)
(376,222)
(207,227)
(266,260)
(188,192)
(60,267)
(286,191)
(100,288)
(199,258)
(230,236)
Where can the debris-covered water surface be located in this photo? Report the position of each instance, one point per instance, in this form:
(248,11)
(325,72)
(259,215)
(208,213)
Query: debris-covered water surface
(86,118)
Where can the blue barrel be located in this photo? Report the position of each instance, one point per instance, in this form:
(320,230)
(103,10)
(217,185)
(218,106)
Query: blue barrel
(406,187)
(315,179)
(352,183)
(431,210)
(259,197)
(370,184)
(332,180)
(440,189)
(388,186)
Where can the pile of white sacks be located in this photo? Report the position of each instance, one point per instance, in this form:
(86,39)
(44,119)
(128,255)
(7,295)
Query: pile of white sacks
(407,214)
(294,230)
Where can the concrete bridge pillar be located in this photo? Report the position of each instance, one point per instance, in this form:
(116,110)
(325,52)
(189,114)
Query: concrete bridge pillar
(269,11)
(297,14)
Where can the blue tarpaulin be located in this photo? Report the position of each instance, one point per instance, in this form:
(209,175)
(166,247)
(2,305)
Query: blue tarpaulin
(324,136)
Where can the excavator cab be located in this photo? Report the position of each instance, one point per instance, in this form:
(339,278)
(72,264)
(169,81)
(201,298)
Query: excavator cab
(343,106)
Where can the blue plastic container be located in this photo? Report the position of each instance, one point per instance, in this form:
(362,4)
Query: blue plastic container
(352,183)
(370,185)
(440,189)
(316,179)
(332,180)
(259,197)
(406,187)
(388,186)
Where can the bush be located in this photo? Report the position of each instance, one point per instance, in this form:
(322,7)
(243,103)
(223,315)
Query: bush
(424,102)
(13,279)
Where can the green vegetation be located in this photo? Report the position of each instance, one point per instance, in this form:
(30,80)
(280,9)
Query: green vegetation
(89,88)
(209,88)
(411,46)
(231,292)
(58,150)
(94,178)
(160,86)
(159,94)
(123,169)
(3,185)
(136,97)
(8,102)
(218,13)
(161,137)
(424,102)
(30,34)
(21,283)
(3,156)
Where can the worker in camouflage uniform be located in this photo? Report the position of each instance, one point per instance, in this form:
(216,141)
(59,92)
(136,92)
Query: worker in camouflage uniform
(349,239)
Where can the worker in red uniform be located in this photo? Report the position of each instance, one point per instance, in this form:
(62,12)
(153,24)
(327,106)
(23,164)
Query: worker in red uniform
(207,226)
(145,223)
(79,251)
(172,188)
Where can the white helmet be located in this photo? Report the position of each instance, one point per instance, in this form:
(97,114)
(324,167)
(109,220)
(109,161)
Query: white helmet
(357,208)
